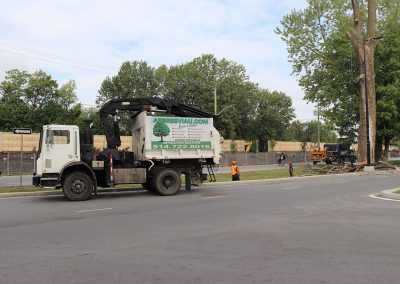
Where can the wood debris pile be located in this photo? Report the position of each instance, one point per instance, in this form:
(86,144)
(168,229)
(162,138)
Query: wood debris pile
(348,168)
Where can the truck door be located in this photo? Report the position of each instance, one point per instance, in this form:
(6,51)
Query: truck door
(60,148)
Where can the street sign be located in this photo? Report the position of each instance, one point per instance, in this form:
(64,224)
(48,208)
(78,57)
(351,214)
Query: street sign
(22,131)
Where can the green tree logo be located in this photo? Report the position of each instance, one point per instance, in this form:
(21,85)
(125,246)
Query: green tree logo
(160,129)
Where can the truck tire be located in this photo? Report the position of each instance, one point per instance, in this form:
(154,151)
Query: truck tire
(77,187)
(166,182)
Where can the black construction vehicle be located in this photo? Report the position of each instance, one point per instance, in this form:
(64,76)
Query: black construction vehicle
(339,153)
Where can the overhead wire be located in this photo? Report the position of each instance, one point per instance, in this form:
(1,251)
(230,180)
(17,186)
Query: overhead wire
(55,59)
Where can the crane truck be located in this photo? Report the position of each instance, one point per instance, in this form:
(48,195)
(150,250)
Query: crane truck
(169,139)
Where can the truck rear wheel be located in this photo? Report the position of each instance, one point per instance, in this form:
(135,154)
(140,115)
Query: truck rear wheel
(77,187)
(166,182)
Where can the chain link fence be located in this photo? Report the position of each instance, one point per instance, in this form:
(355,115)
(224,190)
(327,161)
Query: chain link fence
(10,163)
(262,158)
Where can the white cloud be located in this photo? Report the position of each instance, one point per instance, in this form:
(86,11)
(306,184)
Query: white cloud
(159,32)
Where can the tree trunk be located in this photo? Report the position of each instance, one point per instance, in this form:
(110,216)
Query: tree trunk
(365,48)
(362,129)
(385,156)
(378,149)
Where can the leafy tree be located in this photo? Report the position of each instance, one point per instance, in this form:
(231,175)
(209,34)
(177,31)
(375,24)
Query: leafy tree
(193,83)
(330,66)
(322,56)
(308,131)
(198,81)
(365,48)
(388,79)
(32,100)
(135,79)
(274,112)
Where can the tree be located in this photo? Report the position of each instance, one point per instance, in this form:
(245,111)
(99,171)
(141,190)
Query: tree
(193,83)
(321,56)
(316,40)
(274,112)
(365,48)
(308,131)
(135,79)
(387,79)
(197,81)
(34,99)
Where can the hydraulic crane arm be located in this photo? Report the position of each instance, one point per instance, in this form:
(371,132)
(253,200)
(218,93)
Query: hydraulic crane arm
(134,106)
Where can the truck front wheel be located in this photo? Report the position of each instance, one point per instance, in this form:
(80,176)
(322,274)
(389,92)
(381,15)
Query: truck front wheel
(166,182)
(77,187)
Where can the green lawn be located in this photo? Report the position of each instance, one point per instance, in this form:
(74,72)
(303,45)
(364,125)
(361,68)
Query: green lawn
(266,174)
(395,163)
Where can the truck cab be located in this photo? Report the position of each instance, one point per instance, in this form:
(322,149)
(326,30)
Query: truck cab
(58,147)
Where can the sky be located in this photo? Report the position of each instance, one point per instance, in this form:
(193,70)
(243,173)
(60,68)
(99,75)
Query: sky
(88,40)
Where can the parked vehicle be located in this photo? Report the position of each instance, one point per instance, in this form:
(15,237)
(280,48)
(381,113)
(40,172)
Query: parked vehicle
(340,154)
(318,156)
(334,153)
(170,139)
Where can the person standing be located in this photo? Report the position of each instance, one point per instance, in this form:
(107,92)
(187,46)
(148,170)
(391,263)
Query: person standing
(281,158)
(235,171)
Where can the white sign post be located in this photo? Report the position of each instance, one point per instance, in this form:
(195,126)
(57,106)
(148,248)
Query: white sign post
(21,131)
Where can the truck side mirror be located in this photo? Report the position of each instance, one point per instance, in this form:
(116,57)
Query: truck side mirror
(49,137)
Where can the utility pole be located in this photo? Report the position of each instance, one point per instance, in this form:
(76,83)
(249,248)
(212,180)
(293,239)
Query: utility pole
(215,99)
(318,131)
(367,108)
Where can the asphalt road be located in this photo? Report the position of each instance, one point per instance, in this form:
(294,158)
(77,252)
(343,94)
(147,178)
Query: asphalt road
(309,230)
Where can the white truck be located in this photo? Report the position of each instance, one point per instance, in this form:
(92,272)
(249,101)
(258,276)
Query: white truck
(169,139)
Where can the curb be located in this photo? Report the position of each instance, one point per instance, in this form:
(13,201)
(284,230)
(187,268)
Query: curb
(29,193)
(385,193)
(390,194)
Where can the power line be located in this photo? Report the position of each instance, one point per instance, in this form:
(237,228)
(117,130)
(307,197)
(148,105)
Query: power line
(41,53)
(52,58)
(55,62)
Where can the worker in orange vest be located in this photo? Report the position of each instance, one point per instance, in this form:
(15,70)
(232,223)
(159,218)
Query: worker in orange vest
(235,171)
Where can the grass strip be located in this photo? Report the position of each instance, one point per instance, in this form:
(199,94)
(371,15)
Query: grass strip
(395,163)
(266,174)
